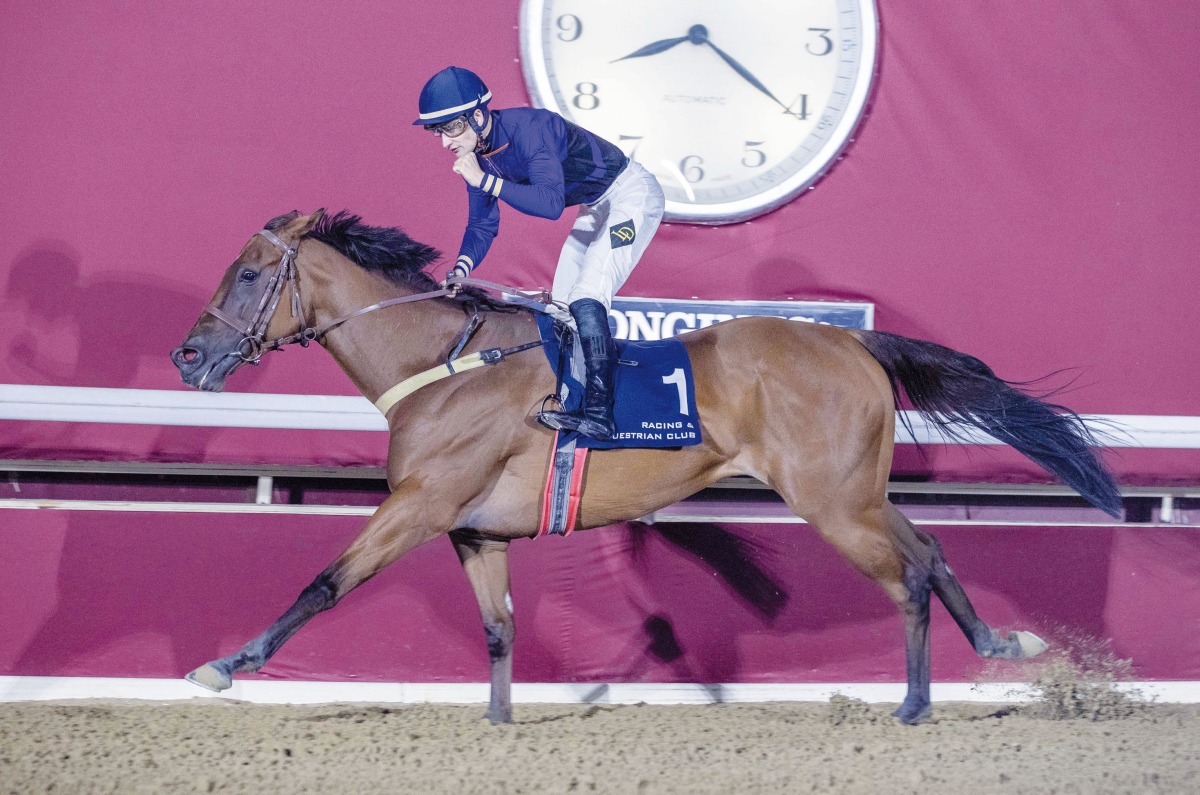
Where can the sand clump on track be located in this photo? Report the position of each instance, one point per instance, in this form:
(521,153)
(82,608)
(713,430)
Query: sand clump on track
(216,745)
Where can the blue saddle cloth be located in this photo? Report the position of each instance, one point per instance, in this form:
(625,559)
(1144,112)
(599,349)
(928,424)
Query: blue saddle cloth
(655,401)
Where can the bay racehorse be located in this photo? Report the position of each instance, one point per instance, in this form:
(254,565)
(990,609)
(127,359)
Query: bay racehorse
(808,409)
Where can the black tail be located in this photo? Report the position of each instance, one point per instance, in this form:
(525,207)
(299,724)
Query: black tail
(956,390)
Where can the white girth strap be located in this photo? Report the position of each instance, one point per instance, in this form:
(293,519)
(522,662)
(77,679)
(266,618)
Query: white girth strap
(410,385)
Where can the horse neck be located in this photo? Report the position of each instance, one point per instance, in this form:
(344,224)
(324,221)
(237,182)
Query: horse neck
(380,348)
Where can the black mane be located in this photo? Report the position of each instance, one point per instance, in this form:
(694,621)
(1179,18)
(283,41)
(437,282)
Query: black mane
(392,253)
(383,250)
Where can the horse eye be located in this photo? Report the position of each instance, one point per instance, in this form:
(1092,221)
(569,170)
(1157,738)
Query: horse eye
(247,276)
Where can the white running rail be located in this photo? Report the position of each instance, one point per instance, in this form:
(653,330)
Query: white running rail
(344,413)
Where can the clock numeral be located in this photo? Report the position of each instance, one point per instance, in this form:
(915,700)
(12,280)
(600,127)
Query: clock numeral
(799,108)
(637,141)
(826,44)
(690,168)
(585,97)
(570,27)
(754,157)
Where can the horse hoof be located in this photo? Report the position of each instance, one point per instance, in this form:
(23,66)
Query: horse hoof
(1031,645)
(211,678)
(911,716)
(496,718)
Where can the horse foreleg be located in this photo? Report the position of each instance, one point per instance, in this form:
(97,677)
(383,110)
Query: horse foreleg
(399,525)
(486,564)
(218,674)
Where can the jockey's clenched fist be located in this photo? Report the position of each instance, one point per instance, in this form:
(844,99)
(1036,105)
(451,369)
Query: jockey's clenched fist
(468,166)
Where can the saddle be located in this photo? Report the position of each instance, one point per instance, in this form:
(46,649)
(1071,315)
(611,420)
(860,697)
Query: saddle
(654,397)
(654,405)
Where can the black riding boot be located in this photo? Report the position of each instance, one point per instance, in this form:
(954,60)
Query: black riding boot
(599,357)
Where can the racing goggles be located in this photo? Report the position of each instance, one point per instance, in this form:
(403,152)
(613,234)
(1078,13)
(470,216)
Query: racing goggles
(451,129)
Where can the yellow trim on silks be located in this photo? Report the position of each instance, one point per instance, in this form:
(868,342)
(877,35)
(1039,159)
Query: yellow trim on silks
(495,191)
(410,385)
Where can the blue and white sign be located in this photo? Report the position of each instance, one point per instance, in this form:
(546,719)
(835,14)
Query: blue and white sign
(661,318)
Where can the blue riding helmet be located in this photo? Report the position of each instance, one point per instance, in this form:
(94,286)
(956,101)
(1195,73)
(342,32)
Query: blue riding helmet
(451,93)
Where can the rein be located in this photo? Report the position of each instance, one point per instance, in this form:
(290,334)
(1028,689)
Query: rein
(254,343)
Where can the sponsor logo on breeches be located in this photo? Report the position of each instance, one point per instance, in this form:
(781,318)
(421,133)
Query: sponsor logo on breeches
(622,234)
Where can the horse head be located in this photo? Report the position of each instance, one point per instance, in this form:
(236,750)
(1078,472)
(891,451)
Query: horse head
(243,320)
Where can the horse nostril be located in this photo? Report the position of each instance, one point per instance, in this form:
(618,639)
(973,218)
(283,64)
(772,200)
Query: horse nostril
(186,357)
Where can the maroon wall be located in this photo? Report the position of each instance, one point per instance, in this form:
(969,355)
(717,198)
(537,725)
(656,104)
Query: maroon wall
(94,594)
(1023,189)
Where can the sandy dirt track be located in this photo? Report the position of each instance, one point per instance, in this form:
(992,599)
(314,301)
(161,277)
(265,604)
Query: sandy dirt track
(844,746)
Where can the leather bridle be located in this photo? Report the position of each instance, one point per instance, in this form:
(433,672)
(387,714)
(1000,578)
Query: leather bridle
(254,342)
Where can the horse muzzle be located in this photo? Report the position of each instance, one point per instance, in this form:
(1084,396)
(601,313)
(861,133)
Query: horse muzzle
(204,371)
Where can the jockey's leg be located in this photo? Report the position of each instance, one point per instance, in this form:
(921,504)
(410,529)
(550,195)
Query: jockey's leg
(606,242)
(599,356)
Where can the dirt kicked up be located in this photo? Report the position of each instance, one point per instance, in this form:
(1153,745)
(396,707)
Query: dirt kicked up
(843,746)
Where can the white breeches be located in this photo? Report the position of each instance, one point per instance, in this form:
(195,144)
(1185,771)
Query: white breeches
(601,250)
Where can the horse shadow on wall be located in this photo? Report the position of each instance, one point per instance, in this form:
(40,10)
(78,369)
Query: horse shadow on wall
(69,328)
(780,598)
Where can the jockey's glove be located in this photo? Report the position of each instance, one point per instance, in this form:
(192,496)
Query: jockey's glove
(460,270)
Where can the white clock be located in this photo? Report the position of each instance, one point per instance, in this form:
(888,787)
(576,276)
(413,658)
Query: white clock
(736,107)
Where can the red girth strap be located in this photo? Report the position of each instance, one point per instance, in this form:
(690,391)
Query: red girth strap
(574,495)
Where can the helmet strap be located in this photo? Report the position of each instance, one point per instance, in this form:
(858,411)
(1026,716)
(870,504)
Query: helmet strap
(481,145)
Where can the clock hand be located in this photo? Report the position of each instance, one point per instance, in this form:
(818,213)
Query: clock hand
(698,34)
(652,49)
(744,72)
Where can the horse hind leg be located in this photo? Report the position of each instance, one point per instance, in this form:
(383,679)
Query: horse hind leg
(986,641)
(865,539)
(909,565)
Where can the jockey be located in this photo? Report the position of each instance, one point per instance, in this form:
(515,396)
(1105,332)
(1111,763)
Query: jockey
(539,163)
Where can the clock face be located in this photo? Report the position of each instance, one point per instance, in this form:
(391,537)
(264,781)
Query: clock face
(735,107)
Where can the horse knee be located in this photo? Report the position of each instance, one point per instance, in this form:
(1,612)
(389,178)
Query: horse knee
(321,594)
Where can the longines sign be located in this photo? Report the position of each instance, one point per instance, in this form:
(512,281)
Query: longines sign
(656,319)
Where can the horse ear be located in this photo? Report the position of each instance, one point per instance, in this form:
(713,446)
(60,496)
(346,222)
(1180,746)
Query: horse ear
(305,225)
(280,221)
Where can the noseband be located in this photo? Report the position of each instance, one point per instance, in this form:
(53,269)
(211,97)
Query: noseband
(254,342)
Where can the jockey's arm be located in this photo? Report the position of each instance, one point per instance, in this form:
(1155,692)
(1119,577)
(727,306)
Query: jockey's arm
(544,196)
(483,223)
